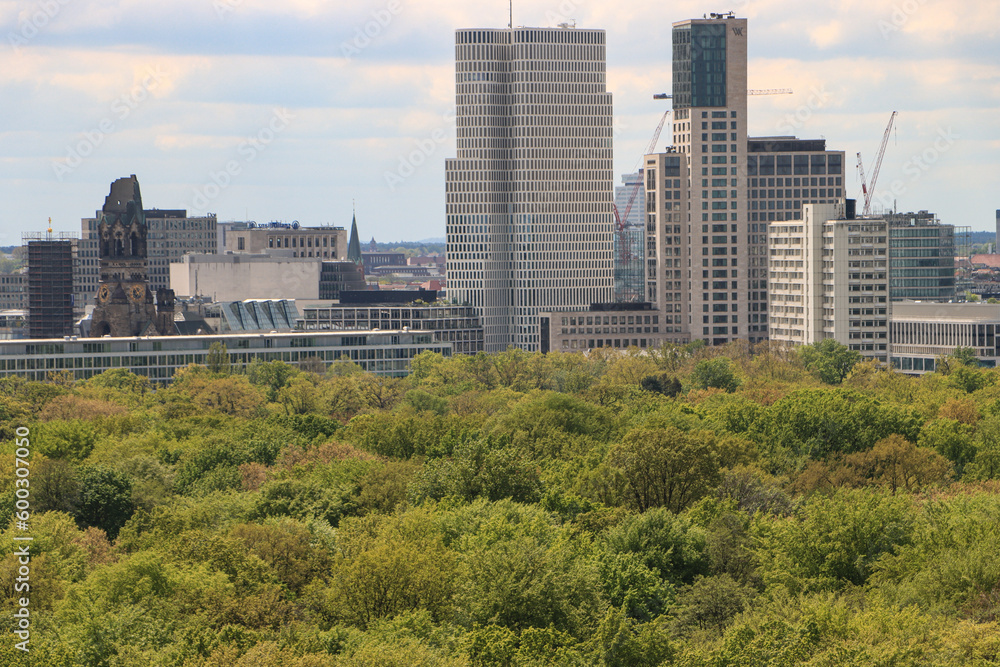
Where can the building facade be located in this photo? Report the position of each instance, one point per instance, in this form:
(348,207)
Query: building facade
(14,290)
(710,131)
(924,332)
(315,242)
(457,325)
(829,279)
(615,325)
(50,285)
(529,195)
(921,257)
(159,357)
(668,259)
(170,234)
(126,305)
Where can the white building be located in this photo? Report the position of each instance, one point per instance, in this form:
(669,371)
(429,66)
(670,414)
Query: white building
(923,332)
(529,195)
(829,279)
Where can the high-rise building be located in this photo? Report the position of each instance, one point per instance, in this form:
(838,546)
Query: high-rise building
(529,194)
(710,130)
(710,198)
(50,285)
(829,279)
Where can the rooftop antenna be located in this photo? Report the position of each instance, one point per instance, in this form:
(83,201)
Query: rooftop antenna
(511,24)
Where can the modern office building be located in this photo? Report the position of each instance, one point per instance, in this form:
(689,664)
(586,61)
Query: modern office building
(829,279)
(615,325)
(170,234)
(921,257)
(159,357)
(50,284)
(447,323)
(923,332)
(529,195)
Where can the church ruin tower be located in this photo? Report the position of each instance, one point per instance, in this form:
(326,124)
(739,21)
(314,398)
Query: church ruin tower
(125,304)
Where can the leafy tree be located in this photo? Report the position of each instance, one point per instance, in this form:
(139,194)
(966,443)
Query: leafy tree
(717,373)
(105,499)
(951,439)
(389,565)
(55,486)
(834,541)
(966,356)
(666,467)
(478,470)
(830,360)
(270,375)
(217,360)
(661,383)
(711,602)
(669,545)
(72,440)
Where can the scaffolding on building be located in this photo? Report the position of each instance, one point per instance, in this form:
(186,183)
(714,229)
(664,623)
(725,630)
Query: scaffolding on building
(50,283)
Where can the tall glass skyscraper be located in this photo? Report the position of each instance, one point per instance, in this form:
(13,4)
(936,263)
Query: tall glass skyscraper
(529,218)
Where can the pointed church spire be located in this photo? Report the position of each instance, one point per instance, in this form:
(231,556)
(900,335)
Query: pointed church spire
(354,246)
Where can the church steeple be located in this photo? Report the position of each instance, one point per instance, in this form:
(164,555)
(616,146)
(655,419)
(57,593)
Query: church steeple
(354,246)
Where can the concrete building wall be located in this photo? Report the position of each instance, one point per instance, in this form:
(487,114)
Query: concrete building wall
(235,277)
(315,242)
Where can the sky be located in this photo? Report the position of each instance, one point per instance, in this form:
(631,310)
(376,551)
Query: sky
(308,110)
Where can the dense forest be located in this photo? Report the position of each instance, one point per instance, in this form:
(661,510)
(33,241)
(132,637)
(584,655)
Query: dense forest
(688,506)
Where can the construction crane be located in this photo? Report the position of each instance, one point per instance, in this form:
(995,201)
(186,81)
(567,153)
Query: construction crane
(868,189)
(763,91)
(624,253)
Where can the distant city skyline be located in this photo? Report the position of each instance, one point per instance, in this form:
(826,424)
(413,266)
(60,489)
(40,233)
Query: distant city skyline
(251,110)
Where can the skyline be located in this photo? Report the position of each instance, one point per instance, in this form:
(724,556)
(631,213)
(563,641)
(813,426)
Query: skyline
(252,112)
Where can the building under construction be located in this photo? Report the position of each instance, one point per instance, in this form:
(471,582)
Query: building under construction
(50,284)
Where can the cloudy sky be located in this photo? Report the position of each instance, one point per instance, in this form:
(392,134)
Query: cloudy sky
(260,110)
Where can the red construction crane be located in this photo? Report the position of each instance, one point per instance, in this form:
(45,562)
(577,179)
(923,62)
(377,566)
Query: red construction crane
(868,189)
